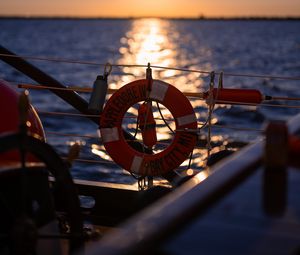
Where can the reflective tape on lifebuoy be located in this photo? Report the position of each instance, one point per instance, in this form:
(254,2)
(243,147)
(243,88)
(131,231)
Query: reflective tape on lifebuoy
(138,162)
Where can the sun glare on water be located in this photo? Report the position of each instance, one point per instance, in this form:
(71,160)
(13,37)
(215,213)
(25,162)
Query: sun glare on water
(156,41)
(147,42)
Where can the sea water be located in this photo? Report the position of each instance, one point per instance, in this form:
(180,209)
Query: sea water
(256,47)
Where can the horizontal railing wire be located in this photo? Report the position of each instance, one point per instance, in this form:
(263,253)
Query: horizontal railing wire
(67,114)
(53,133)
(263,76)
(92,161)
(111,91)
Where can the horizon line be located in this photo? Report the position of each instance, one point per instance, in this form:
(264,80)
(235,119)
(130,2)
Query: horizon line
(200,17)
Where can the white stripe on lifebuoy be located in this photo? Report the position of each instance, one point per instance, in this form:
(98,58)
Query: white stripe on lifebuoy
(187,119)
(110,134)
(158,90)
(136,164)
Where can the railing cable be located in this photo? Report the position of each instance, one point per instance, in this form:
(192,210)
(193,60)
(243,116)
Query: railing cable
(263,76)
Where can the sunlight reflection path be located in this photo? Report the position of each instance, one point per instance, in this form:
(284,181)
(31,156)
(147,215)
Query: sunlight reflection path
(148,41)
(157,42)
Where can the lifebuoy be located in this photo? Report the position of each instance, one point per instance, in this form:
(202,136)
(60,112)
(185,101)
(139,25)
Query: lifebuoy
(138,162)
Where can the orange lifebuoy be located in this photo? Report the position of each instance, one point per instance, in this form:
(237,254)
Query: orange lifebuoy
(138,162)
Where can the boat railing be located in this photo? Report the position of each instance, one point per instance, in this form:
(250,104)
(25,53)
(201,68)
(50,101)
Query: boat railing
(169,215)
(69,94)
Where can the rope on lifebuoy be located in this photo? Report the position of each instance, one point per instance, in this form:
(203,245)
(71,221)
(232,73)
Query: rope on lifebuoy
(138,162)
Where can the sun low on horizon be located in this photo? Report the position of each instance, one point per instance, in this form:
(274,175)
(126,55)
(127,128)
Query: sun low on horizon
(155,8)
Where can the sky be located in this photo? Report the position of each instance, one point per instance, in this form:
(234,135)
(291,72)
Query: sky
(153,8)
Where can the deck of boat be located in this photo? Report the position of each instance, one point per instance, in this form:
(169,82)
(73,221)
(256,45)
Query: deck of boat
(240,209)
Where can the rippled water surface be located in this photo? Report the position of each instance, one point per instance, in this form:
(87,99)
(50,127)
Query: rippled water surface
(243,47)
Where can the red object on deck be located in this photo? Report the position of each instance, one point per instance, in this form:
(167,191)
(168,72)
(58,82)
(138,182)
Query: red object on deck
(9,114)
(147,124)
(252,96)
(294,150)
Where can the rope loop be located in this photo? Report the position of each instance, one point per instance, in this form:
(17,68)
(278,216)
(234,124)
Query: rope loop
(211,106)
(210,99)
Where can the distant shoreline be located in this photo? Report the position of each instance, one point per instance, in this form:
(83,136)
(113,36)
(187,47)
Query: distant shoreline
(289,18)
